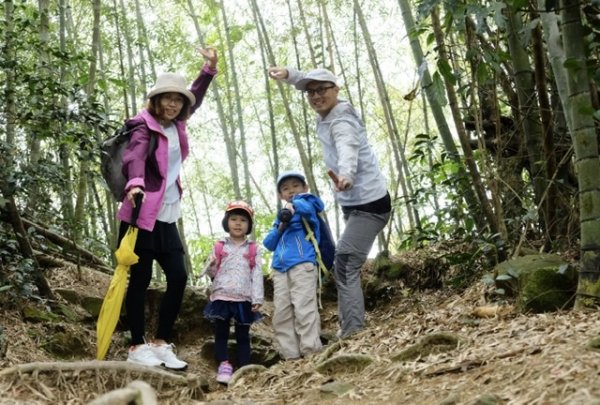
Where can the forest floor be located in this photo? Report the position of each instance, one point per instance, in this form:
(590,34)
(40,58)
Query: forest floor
(502,356)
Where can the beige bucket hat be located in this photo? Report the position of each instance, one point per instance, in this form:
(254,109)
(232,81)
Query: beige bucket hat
(171,82)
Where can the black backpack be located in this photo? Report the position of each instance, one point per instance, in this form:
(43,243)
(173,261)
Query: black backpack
(111,158)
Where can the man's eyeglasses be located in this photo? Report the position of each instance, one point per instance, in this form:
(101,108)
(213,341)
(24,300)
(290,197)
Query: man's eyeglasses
(319,90)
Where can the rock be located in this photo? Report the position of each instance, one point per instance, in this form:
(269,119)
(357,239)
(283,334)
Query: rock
(263,352)
(191,324)
(90,303)
(67,345)
(385,268)
(541,282)
(34,314)
(93,304)
(594,344)
(67,312)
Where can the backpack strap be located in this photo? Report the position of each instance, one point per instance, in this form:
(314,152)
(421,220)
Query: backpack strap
(251,255)
(322,269)
(219,254)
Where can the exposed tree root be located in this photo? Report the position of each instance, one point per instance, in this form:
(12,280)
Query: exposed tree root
(85,380)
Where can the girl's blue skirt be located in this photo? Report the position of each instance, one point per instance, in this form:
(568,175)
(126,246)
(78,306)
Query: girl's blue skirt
(241,312)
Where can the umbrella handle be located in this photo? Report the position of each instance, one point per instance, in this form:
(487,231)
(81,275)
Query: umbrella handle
(136,210)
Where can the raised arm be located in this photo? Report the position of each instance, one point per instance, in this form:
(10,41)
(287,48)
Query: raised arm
(209,70)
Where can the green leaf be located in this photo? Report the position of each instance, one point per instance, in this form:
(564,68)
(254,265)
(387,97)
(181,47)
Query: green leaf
(487,279)
(562,269)
(513,273)
(446,70)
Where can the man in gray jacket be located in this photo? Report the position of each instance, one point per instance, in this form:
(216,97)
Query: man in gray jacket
(360,187)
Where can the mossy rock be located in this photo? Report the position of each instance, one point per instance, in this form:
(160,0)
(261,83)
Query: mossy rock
(594,344)
(66,344)
(488,399)
(430,344)
(546,290)
(34,314)
(72,296)
(92,305)
(385,268)
(540,282)
(66,312)
(378,291)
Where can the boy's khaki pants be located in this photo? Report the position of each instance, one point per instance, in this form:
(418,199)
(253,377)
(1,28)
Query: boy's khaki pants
(296,320)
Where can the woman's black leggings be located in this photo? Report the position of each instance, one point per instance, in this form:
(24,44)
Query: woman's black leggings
(140,276)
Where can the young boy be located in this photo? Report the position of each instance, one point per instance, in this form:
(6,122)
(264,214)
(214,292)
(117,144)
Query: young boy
(296,320)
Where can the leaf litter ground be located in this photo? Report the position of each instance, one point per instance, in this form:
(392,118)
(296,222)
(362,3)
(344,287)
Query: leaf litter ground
(504,358)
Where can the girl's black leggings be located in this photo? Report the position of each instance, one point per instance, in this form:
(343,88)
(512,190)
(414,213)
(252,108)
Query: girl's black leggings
(242,338)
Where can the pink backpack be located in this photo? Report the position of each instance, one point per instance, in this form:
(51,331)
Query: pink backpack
(251,255)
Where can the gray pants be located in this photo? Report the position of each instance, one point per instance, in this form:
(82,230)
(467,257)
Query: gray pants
(296,320)
(351,253)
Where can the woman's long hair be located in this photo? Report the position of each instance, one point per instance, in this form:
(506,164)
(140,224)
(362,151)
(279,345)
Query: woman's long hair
(153,106)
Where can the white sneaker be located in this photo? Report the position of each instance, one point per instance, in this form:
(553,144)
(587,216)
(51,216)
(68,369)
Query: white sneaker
(143,354)
(167,357)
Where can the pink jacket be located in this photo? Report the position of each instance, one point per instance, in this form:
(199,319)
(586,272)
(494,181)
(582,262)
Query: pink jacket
(150,174)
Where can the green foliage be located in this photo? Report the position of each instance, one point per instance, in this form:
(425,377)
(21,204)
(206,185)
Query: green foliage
(439,88)
(446,71)
(16,273)
(435,194)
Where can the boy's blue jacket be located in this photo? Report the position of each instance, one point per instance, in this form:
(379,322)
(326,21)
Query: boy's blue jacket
(291,247)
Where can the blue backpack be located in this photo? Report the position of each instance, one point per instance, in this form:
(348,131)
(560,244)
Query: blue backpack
(325,247)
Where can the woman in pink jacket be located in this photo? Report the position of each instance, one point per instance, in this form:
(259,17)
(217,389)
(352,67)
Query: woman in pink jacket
(155,175)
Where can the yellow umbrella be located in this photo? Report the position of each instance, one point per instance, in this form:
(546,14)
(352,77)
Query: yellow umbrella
(111,306)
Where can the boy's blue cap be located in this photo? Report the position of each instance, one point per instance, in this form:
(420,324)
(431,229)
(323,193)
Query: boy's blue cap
(290,173)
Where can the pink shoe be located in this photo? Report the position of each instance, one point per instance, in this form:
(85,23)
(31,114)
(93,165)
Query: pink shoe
(224,373)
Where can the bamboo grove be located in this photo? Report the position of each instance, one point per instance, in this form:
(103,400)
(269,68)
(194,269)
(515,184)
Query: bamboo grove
(483,115)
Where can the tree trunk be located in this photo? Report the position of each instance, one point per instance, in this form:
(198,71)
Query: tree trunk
(587,162)
(462,135)
(306,166)
(238,106)
(7,165)
(439,117)
(272,130)
(397,148)
(528,106)
(228,137)
(130,65)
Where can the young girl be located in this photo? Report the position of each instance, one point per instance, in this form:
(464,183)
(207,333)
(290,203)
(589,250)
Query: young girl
(237,287)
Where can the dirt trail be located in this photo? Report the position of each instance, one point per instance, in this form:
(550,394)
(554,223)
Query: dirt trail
(508,358)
